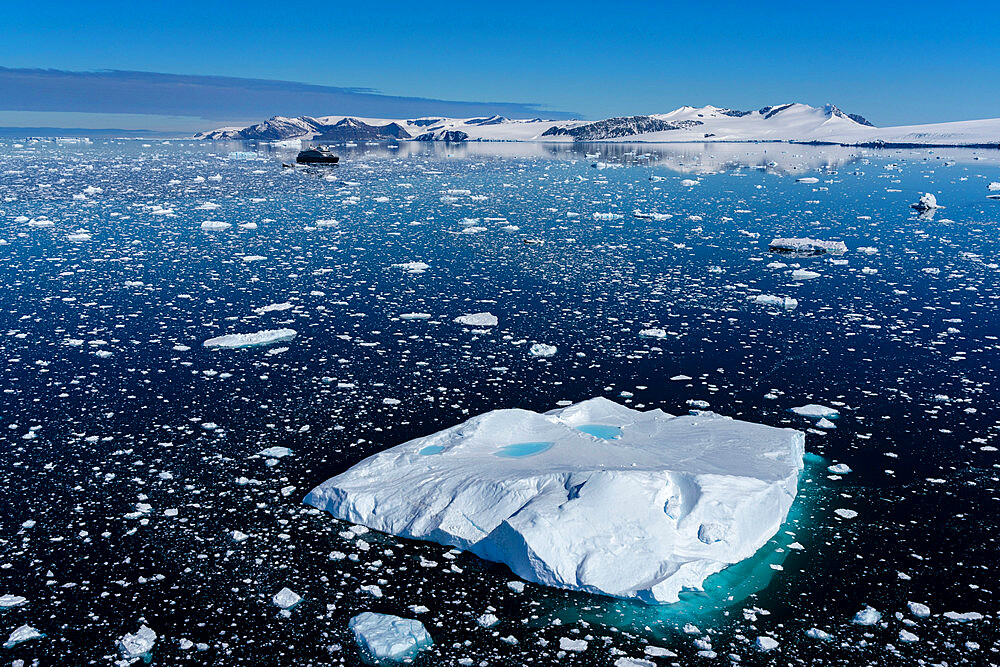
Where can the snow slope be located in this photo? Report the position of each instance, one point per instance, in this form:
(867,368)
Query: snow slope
(594,497)
(783,123)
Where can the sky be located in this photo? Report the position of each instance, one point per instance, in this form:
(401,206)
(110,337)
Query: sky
(894,63)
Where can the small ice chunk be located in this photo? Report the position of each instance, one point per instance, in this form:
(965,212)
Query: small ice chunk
(7,601)
(928,202)
(22,634)
(918,609)
(867,616)
(388,637)
(765,643)
(816,633)
(257,339)
(542,350)
(574,645)
(816,411)
(786,302)
(653,333)
(275,452)
(839,468)
(215,225)
(286,598)
(139,645)
(487,620)
(807,246)
(963,618)
(478,320)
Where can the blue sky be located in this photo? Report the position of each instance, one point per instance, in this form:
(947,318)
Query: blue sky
(892,62)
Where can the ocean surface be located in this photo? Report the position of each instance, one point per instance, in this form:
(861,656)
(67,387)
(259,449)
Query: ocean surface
(129,452)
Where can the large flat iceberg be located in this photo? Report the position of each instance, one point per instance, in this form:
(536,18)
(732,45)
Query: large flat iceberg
(593,497)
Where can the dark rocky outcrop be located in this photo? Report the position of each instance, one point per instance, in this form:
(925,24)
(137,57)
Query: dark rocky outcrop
(614,128)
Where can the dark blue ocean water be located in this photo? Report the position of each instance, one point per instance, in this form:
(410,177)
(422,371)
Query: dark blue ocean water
(129,449)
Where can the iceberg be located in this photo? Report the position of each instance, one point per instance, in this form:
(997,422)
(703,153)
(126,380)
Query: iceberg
(807,245)
(654,510)
(257,339)
(388,637)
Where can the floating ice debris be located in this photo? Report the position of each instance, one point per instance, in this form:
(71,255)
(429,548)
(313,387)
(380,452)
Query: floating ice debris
(260,338)
(487,620)
(572,645)
(807,245)
(688,182)
(963,618)
(918,610)
(139,645)
(908,637)
(634,662)
(412,267)
(8,601)
(867,616)
(78,237)
(816,633)
(542,350)
(786,302)
(478,320)
(839,468)
(619,517)
(845,513)
(415,316)
(653,333)
(807,179)
(272,308)
(275,452)
(993,187)
(215,225)
(928,202)
(388,637)
(804,274)
(765,643)
(286,598)
(22,634)
(825,423)
(816,411)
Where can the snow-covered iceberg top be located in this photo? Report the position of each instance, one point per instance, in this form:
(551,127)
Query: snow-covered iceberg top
(256,339)
(807,245)
(388,637)
(594,497)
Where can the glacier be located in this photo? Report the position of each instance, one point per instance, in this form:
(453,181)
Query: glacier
(653,510)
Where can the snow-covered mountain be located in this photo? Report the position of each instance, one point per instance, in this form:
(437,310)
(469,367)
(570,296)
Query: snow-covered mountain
(786,122)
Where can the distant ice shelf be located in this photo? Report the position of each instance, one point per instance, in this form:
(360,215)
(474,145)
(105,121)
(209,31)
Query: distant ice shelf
(594,497)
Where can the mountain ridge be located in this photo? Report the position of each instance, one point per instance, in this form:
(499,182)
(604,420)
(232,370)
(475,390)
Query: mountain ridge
(790,122)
